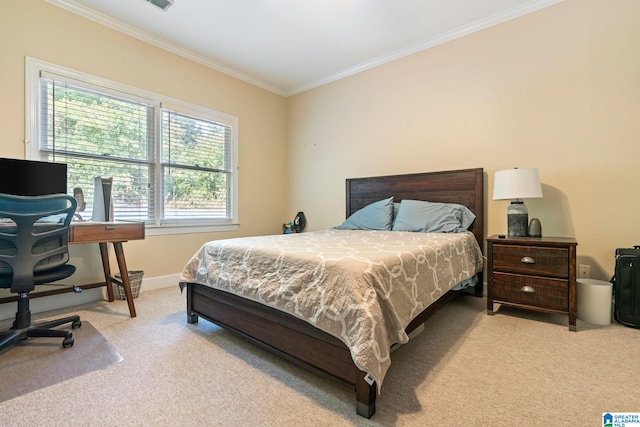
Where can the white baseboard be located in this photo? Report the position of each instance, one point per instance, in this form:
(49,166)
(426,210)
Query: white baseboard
(54,302)
(160,282)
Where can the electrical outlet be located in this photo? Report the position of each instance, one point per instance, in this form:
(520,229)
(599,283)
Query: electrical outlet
(584,271)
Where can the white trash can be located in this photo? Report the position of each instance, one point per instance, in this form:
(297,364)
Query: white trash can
(594,301)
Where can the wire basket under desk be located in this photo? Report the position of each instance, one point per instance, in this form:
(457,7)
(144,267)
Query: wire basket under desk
(135,279)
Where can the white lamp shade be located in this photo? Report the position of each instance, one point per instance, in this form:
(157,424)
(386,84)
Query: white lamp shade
(517,184)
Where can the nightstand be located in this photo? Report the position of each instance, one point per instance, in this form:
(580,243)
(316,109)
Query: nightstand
(533,273)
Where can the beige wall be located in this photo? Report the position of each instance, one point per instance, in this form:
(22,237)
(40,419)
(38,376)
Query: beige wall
(558,89)
(37,29)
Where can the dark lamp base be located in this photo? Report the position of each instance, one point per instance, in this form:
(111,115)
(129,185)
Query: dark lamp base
(517,225)
(517,219)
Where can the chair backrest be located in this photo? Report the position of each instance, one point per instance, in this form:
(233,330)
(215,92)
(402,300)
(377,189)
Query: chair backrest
(34,236)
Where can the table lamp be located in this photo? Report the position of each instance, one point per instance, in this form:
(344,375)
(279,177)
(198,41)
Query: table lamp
(515,185)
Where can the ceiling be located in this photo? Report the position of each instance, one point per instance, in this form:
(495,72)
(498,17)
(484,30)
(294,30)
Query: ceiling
(289,46)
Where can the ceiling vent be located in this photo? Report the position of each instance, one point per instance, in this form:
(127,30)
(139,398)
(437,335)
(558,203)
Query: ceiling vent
(162,4)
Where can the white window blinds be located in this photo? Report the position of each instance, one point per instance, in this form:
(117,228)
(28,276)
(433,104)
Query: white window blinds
(172,163)
(197,167)
(100,135)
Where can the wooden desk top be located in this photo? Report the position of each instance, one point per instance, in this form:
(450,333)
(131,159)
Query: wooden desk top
(82,232)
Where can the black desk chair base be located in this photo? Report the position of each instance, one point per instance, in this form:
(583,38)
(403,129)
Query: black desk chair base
(42,330)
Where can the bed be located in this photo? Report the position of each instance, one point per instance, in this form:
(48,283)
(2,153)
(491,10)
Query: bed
(293,327)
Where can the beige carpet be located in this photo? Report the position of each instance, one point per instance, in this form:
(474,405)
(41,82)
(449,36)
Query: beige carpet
(42,362)
(515,368)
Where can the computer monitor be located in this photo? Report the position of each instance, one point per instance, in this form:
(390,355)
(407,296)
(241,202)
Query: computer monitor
(32,178)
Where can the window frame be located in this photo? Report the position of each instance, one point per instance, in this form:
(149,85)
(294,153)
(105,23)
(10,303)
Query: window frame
(34,68)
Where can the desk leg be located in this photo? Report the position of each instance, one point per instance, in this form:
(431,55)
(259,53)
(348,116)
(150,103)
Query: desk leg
(104,252)
(124,273)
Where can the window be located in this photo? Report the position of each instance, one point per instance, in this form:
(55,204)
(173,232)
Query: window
(173,164)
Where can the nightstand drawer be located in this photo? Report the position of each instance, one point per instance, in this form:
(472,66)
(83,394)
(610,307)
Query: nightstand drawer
(539,261)
(552,294)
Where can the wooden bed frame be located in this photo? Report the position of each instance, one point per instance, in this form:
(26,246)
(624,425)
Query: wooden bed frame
(302,343)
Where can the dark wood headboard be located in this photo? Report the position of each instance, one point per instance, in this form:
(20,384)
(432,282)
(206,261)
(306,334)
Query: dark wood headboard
(464,186)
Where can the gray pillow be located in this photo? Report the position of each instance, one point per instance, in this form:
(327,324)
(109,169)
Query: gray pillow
(430,217)
(376,216)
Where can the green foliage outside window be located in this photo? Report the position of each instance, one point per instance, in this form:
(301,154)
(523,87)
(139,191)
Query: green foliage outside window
(98,134)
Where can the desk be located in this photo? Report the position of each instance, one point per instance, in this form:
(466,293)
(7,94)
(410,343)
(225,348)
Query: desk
(116,232)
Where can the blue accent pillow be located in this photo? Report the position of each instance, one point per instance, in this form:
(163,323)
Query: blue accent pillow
(376,216)
(430,217)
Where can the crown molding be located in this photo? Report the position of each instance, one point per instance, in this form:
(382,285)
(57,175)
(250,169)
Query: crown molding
(479,25)
(529,7)
(121,27)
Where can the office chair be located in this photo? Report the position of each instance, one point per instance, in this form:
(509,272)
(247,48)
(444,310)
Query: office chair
(34,234)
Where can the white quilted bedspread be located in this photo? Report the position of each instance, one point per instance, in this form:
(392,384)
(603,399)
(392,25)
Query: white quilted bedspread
(363,287)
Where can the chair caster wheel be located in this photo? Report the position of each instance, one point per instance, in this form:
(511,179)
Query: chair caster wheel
(68,342)
(76,324)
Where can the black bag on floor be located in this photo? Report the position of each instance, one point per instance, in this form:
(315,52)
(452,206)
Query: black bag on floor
(626,286)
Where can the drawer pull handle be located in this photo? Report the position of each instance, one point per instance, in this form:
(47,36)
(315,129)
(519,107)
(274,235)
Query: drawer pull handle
(528,289)
(528,260)
(109,227)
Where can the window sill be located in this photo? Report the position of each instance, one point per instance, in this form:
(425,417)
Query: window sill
(153,230)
